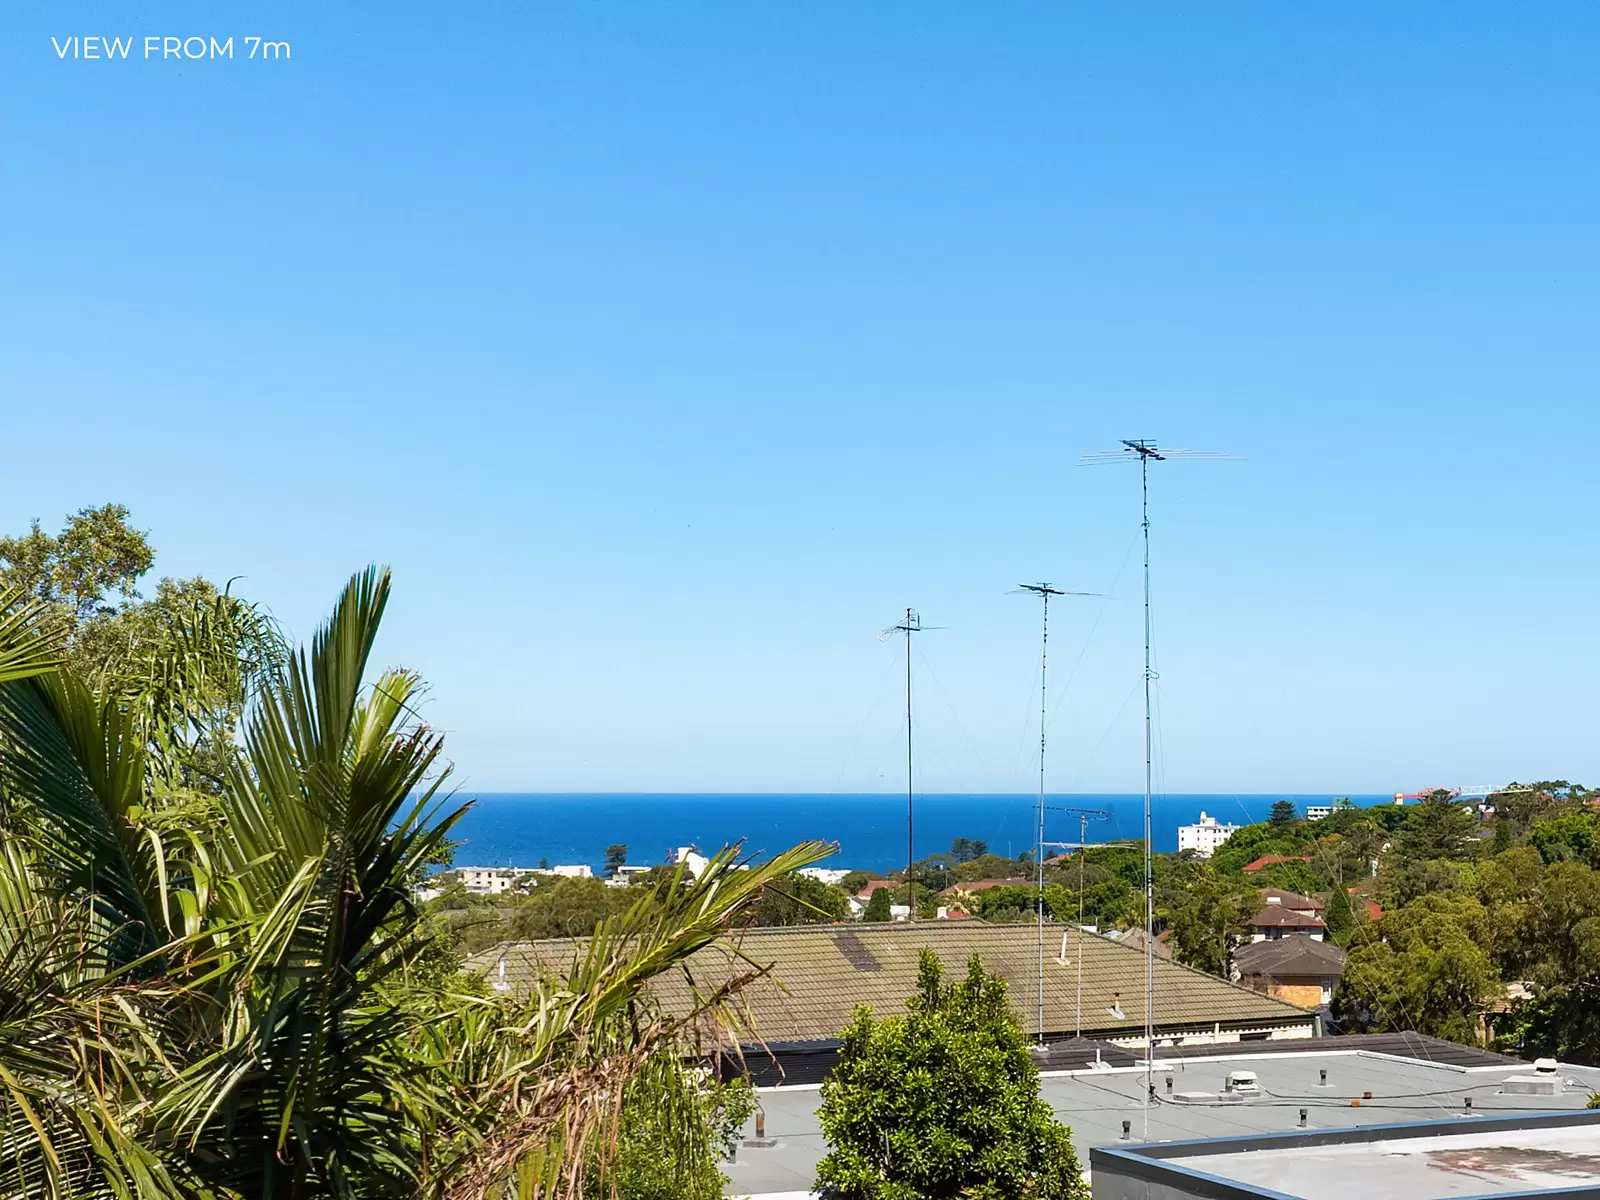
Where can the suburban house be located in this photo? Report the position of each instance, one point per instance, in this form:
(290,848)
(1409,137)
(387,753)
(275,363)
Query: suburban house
(960,895)
(1299,969)
(1285,914)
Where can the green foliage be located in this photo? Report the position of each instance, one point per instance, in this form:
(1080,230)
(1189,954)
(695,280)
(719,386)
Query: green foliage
(942,1102)
(854,881)
(96,555)
(799,900)
(566,907)
(1425,969)
(1339,915)
(1569,835)
(992,866)
(674,1127)
(616,856)
(1207,915)
(252,1006)
(878,906)
(1437,828)
(964,850)
(1283,817)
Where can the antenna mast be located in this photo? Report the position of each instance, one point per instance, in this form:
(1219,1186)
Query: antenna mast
(1044,591)
(1080,845)
(911,624)
(1147,451)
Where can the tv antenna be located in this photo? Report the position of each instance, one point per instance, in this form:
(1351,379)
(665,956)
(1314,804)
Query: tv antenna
(910,625)
(1044,591)
(1146,452)
(1084,815)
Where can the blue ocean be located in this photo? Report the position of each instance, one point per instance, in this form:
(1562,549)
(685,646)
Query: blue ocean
(519,829)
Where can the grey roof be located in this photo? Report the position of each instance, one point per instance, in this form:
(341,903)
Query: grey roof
(820,973)
(1296,955)
(1520,1155)
(1094,1104)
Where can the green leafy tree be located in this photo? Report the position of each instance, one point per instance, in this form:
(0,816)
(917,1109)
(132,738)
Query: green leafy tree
(942,1102)
(1283,816)
(854,881)
(878,906)
(1426,969)
(96,555)
(564,907)
(799,900)
(673,1131)
(1568,836)
(1208,918)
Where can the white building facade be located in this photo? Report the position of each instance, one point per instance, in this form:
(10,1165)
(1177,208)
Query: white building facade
(1204,837)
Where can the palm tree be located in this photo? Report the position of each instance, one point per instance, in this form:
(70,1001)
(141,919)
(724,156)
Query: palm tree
(231,1008)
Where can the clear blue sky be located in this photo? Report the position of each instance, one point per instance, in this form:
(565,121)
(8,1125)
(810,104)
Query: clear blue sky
(666,351)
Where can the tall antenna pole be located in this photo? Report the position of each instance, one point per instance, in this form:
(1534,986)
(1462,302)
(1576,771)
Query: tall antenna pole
(1044,591)
(1081,845)
(911,885)
(1146,451)
(911,624)
(1149,858)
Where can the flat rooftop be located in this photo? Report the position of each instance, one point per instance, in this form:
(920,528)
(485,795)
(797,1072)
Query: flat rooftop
(1425,1167)
(1430,1084)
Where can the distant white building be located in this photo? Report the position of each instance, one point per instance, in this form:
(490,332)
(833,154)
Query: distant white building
(567,871)
(623,875)
(491,881)
(691,859)
(1315,812)
(1205,837)
(825,874)
(488,881)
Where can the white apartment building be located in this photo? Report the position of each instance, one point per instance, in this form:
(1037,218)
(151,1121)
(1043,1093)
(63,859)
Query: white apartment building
(1315,812)
(1205,837)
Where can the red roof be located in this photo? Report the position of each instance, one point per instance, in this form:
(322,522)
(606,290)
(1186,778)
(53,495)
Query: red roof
(873,885)
(1374,909)
(1267,860)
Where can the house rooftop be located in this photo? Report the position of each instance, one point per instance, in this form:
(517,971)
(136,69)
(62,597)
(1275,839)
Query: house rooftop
(1293,955)
(821,973)
(1267,860)
(1411,1078)
(1524,1154)
(1275,916)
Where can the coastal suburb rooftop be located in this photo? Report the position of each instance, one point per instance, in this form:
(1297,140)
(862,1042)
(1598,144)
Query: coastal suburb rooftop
(1353,1085)
(819,975)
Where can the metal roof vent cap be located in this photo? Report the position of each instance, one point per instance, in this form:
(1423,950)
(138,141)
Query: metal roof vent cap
(1242,1081)
(1545,1066)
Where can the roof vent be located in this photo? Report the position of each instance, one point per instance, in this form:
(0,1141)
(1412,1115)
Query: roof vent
(1545,1066)
(1242,1081)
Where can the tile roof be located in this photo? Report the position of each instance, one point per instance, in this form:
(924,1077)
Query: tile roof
(982,885)
(1290,956)
(820,973)
(873,885)
(1275,916)
(1290,899)
(1267,860)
